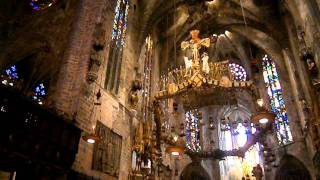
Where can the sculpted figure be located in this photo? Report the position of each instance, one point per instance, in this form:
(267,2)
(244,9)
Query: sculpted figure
(195,44)
(205,64)
(188,65)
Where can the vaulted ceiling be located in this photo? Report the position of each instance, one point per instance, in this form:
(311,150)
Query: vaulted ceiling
(246,27)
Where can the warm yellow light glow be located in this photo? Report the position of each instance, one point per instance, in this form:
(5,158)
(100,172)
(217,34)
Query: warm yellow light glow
(212,3)
(260,102)
(91,141)
(175,153)
(91,138)
(175,138)
(263,121)
(227,33)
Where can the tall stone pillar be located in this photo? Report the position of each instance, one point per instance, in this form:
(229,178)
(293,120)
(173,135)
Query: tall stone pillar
(72,75)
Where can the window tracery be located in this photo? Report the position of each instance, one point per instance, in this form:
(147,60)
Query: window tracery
(192,131)
(10,76)
(39,93)
(238,72)
(116,47)
(120,22)
(275,93)
(233,135)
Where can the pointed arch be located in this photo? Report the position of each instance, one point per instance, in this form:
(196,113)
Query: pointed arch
(194,171)
(292,169)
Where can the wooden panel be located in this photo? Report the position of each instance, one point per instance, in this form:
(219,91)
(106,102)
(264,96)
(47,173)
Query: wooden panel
(29,132)
(107,153)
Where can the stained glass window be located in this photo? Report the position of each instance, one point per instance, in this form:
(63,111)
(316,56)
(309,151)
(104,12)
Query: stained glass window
(238,72)
(271,78)
(39,94)
(41,4)
(116,46)
(120,22)
(193,131)
(10,76)
(234,135)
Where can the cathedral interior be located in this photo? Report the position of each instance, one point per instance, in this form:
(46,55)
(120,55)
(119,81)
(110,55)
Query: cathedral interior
(160,89)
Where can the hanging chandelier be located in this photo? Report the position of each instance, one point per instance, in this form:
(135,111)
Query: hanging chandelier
(91,138)
(263,116)
(176,149)
(176,144)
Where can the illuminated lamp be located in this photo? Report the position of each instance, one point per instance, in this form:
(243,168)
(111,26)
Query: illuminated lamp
(262,116)
(91,138)
(177,149)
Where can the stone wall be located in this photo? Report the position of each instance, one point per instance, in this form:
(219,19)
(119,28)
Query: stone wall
(75,96)
(115,116)
(64,34)
(72,76)
(68,29)
(43,34)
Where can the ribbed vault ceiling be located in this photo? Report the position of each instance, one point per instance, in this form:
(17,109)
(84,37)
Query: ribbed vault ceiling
(175,18)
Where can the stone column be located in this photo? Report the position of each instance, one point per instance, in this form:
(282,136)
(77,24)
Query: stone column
(294,84)
(74,68)
(309,20)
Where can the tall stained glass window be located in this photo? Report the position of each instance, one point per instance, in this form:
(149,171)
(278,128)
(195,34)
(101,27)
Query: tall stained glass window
(10,76)
(39,94)
(234,135)
(116,46)
(271,78)
(238,72)
(120,22)
(192,131)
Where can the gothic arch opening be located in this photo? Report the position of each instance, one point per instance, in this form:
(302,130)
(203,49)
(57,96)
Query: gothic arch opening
(194,171)
(292,169)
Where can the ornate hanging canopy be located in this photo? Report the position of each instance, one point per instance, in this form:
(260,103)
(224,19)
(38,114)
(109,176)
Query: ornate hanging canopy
(200,84)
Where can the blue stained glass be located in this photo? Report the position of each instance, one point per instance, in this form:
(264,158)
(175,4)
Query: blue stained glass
(12,72)
(233,168)
(39,93)
(239,73)
(274,90)
(10,76)
(41,4)
(120,22)
(192,131)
